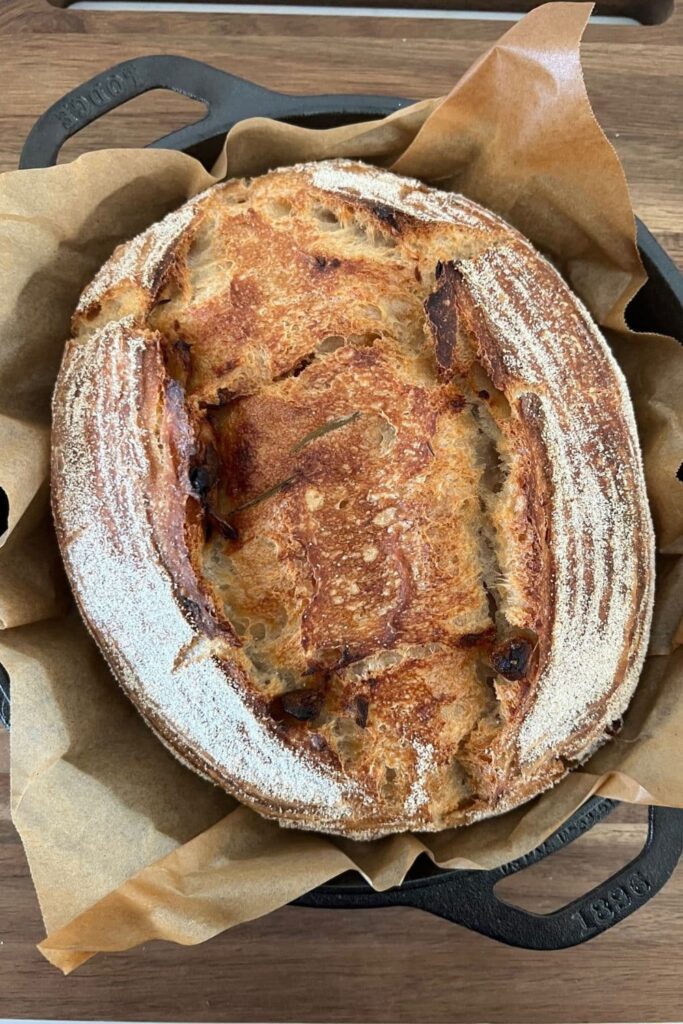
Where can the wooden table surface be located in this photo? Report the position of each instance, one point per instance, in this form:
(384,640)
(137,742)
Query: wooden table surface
(383,965)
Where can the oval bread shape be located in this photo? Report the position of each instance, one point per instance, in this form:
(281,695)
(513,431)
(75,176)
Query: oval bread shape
(348,488)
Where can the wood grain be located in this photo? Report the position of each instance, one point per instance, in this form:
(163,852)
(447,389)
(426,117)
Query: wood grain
(400,965)
(648,12)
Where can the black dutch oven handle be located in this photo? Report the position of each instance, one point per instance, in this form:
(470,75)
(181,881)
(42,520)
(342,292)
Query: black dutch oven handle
(228,99)
(4,697)
(468,897)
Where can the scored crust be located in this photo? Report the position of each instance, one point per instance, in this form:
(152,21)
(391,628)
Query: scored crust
(348,488)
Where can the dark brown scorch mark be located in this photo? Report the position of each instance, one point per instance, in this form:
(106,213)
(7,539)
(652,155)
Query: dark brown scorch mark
(361,708)
(326,262)
(387,215)
(203,471)
(442,315)
(298,368)
(93,310)
(303,705)
(511,659)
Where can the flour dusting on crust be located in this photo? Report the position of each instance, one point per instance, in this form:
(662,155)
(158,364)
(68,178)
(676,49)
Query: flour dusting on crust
(408,195)
(139,259)
(130,601)
(596,510)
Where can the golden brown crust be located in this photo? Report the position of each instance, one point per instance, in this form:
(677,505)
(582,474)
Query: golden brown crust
(334,480)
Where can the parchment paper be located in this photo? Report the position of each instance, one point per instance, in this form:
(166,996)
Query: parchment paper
(124,844)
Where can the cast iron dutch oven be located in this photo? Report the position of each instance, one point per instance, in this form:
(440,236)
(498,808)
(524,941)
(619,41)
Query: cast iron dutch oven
(464,897)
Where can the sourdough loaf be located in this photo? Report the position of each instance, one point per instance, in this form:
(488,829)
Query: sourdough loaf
(348,488)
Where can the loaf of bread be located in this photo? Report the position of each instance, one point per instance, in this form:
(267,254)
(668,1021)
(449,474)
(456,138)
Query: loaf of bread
(348,489)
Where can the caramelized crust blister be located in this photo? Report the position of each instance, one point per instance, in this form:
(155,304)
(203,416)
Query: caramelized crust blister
(348,488)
